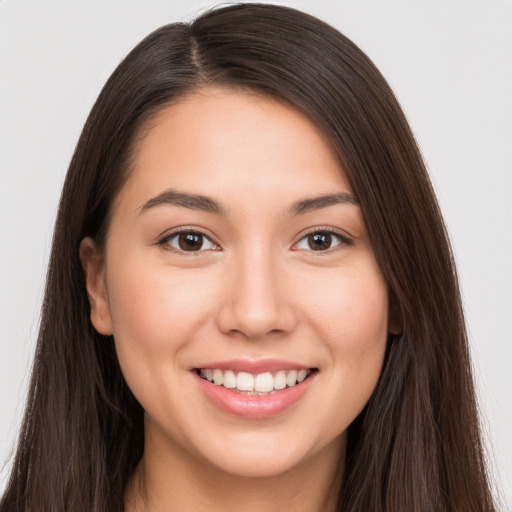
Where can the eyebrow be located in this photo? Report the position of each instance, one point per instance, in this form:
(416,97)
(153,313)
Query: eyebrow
(316,203)
(209,205)
(192,201)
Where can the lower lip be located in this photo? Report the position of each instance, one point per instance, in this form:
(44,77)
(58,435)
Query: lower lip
(254,406)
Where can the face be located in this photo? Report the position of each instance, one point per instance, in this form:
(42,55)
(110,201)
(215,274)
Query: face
(249,314)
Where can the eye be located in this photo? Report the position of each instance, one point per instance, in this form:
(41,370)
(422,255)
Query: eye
(188,241)
(321,241)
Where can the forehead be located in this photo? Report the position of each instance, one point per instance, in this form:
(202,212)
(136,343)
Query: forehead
(229,144)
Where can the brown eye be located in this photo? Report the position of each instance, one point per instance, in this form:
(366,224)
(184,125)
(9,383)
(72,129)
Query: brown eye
(321,241)
(189,241)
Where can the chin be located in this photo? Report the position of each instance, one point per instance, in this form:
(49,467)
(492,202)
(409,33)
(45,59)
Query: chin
(258,466)
(254,456)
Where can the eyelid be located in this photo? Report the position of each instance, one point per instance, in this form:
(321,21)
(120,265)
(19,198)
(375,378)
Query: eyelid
(163,239)
(345,238)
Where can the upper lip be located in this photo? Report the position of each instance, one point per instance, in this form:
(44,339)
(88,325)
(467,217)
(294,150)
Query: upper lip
(254,366)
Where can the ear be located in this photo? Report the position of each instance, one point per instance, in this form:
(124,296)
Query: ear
(94,271)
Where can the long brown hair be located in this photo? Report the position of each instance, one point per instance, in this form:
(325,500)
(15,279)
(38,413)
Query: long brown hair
(416,446)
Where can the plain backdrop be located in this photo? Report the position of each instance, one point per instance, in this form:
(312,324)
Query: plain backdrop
(450,64)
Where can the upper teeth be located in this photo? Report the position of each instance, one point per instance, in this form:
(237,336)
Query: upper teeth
(260,383)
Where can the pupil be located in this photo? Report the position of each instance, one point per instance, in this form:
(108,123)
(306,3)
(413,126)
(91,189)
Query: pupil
(320,241)
(190,241)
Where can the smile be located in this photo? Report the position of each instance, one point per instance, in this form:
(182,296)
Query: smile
(260,384)
(255,390)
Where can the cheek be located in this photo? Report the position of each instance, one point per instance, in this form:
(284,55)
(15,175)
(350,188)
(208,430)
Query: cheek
(351,319)
(350,307)
(156,311)
(158,298)
(359,342)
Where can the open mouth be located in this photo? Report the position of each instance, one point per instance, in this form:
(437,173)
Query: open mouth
(260,384)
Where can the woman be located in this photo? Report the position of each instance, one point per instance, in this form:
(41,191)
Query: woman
(251,301)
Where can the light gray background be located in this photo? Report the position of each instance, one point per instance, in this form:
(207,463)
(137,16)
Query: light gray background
(450,64)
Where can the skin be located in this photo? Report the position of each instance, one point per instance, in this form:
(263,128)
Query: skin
(257,290)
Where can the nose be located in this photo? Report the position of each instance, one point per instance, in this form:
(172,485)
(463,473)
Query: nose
(256,302)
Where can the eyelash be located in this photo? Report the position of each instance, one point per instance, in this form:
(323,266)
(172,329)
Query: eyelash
(164,242)
(343,240)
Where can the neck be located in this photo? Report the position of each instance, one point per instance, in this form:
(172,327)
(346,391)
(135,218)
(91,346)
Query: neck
(188,484)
